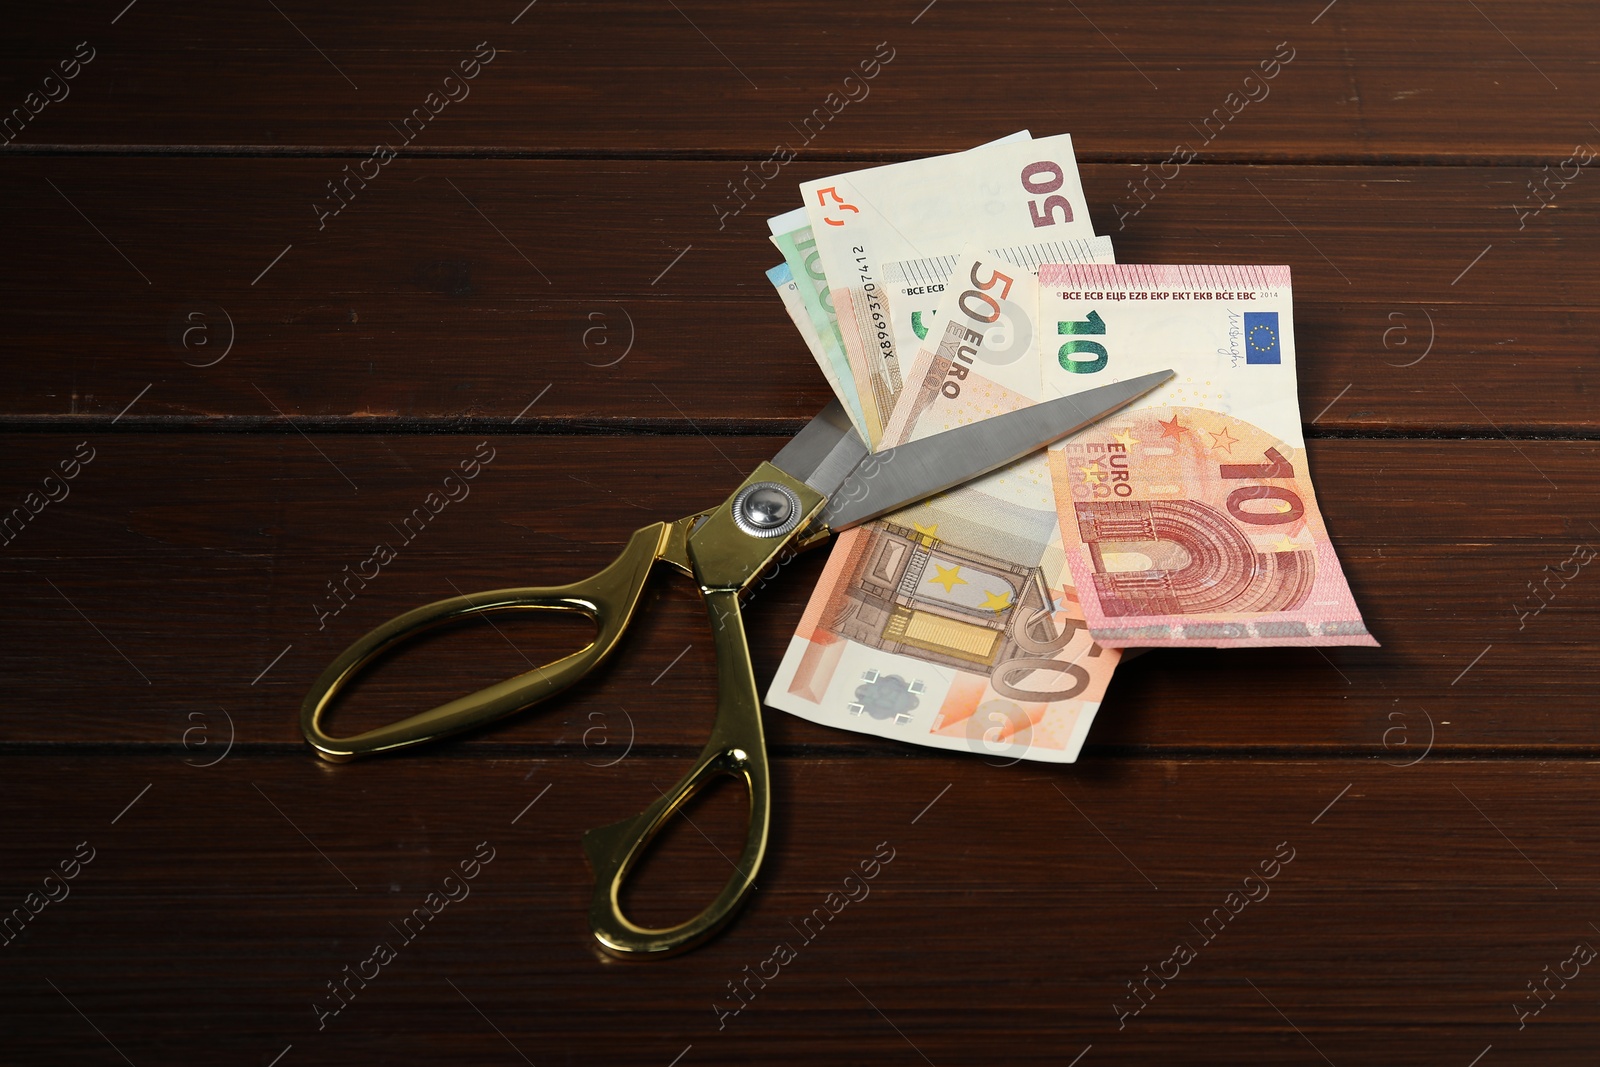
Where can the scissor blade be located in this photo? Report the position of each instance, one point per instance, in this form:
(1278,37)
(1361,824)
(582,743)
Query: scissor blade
(898,476)
(823,453)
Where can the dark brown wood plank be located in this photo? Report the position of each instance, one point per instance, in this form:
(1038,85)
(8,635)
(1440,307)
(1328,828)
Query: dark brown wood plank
(164,620)
(1421,305)
(1434,79)
(1014,907)
(186,575)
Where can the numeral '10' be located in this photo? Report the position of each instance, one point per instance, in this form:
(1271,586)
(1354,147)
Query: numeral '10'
(1094,324)
(1275,467)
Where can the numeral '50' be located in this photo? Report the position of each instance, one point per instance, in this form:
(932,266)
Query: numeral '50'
(1041,178)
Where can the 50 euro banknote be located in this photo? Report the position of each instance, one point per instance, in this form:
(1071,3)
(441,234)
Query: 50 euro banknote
(1006,193)
(792,236)
(1189,517)
(953,623)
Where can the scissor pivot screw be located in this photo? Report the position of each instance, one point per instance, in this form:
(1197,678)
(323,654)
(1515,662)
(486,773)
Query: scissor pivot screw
(766,509)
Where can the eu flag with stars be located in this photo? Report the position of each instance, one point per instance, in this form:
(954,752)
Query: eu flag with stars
(1261,337)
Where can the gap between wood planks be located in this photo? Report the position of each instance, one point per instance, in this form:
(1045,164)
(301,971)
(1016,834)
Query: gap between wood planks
(602,426)
(845,158)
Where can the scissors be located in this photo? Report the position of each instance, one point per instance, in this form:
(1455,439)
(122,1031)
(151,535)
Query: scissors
(825,480)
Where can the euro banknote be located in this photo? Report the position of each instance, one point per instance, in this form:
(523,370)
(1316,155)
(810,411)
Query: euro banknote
(789,291)
(1189,517)
(915,286)
(953,623)
(999,195)
(791,235)
(821,327)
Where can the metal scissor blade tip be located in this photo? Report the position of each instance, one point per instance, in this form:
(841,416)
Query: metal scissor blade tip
(910,472)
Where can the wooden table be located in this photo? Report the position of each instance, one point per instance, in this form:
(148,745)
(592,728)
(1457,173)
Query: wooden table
(253,380)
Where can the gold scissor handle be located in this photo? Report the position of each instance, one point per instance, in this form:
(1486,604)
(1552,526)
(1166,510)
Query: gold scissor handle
(608,598)
(736,748)
(723,558)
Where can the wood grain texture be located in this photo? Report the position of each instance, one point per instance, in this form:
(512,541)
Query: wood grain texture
(1433,79)
(1016,906)
(201,558)
(556,266)
(457,290)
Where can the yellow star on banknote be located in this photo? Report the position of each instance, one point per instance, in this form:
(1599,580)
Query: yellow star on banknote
(1286,544)
(1218,439)
(949,577)
(1092,473)
(996,601)
(1125,439)
(929,533)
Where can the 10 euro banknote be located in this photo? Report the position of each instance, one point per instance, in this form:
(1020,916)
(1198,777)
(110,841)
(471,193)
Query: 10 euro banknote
(1189,517)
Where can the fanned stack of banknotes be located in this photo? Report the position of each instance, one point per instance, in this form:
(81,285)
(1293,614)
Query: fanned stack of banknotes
(942,291)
